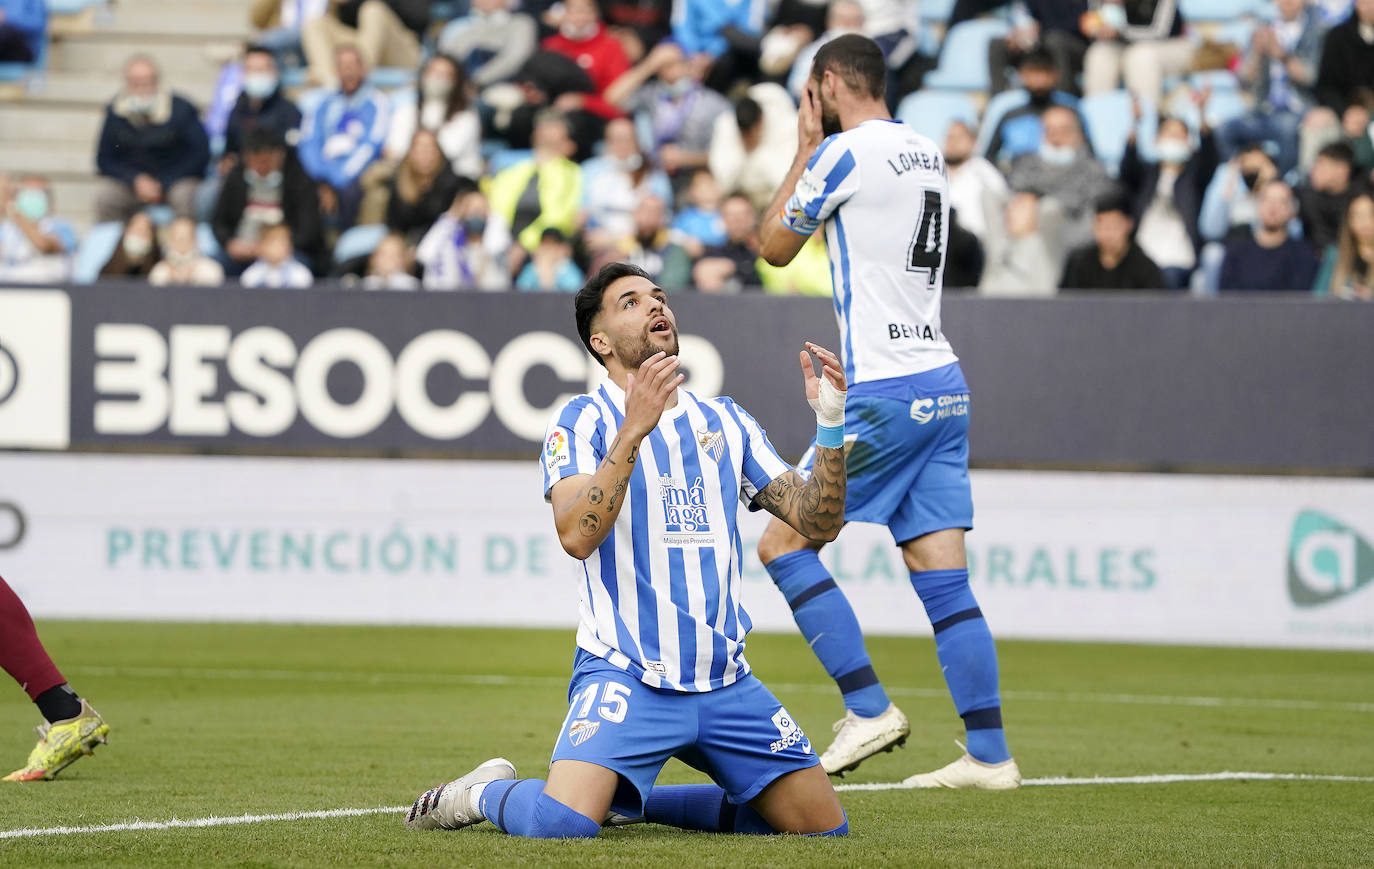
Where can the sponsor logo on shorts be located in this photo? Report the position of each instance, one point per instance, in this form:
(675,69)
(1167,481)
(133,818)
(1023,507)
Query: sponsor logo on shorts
(556,452)
(582,730)
(921,410)
(1327,560)
(790,734)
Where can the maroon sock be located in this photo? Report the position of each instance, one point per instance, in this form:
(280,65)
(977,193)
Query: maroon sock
(21,654)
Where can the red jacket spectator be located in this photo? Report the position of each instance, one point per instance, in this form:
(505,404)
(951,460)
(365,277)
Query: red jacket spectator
(602,56)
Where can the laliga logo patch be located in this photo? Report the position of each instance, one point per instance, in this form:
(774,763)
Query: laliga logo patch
(556,450)
(921,410)
(713,442)
(582,730)
(789,732)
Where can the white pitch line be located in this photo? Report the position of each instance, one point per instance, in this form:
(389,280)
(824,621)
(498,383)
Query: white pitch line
(1164,779)
(499,680)
(191,823)
(212,821)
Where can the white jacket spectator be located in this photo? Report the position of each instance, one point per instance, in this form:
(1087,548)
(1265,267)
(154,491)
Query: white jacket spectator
(970,176)
(35,247)
(752,147)
(183,264)
(467,248)
(441,105)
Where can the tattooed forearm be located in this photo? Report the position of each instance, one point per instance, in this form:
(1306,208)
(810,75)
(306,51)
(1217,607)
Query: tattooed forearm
(594,495)
(634,451)
(616,492)
(814,507)
(589,524)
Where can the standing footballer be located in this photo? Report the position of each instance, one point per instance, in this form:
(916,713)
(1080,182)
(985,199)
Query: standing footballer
(882,193)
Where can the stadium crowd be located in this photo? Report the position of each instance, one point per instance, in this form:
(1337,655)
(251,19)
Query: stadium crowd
(541,139)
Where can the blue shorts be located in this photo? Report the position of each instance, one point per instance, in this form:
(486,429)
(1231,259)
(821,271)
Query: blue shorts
(739,735)
(907,453)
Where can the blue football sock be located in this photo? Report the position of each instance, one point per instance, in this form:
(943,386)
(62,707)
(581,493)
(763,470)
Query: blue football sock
(827,621)
(701,807)
(521,808)
(841,830)
(967,656)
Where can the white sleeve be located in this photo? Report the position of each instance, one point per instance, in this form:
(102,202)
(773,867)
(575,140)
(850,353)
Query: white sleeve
(571,444)
(830,178)
(762,464)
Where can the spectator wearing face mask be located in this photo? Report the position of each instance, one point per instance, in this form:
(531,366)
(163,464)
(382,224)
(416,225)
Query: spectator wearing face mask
(261,104)
(183,265)
(443,106)
(680,112)
(1270,258)
(751,147)
(153,149)
(137,252)
(1166,195)
(1065,171)
(613,185)
(35,246)
(1021,131)
(466,249)
(268,187)
(970,178)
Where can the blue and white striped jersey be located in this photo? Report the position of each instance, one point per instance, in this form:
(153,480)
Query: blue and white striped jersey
(660,598)
(882,192)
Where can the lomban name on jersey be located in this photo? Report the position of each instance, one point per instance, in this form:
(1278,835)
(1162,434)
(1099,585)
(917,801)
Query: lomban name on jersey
(910,161)
(919,331)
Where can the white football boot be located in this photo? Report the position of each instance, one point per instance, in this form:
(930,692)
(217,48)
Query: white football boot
(858,738)
(453,805)
(969,772)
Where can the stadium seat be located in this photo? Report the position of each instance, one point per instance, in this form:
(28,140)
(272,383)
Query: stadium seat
(95,250)
(936,11)
(391,77)
(930,112)
(162,215)
(1238,31)
(359,241)
(994,112)
(206,241)
(964,56)
(1216,10)
(506,158)
(1216,79)
(1108,119)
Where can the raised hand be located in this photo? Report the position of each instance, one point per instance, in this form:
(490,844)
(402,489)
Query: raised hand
(809,131)
(647,393)
(831,370)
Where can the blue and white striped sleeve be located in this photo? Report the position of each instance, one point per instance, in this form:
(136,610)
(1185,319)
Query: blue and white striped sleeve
(762,464)
(571,445)
(830,178)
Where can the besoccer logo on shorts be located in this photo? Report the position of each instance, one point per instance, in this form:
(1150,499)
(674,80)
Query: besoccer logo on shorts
(789,732)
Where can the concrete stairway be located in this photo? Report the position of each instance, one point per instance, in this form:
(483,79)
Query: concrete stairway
(51,128)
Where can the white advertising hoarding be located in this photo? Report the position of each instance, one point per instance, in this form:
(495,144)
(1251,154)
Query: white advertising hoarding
(1129,557)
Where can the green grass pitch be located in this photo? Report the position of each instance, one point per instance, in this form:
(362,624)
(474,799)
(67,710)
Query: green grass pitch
(226,720)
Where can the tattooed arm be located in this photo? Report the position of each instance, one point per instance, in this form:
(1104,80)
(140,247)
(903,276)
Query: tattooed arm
(815,507)
(585,506)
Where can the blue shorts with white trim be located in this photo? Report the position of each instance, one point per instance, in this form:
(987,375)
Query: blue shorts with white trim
(907,453)
(739,735)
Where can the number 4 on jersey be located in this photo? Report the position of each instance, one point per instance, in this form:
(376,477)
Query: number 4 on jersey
(927,245)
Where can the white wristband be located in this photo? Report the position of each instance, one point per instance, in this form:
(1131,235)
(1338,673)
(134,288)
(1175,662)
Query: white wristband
(829,405)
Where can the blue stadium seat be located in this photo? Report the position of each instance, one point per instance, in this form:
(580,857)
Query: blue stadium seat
(95,250)
(1108,119)
(964,55)
(162,215)
(936,10)
(506,158)
(391,77)
(358,241)
(1238,31)
(72,7)
(1216,79)
(994,112)
(1217,10)
(206,241)
(930,112)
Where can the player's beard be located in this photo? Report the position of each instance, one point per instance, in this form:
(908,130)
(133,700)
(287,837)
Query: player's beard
(634,352)
(830,118)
